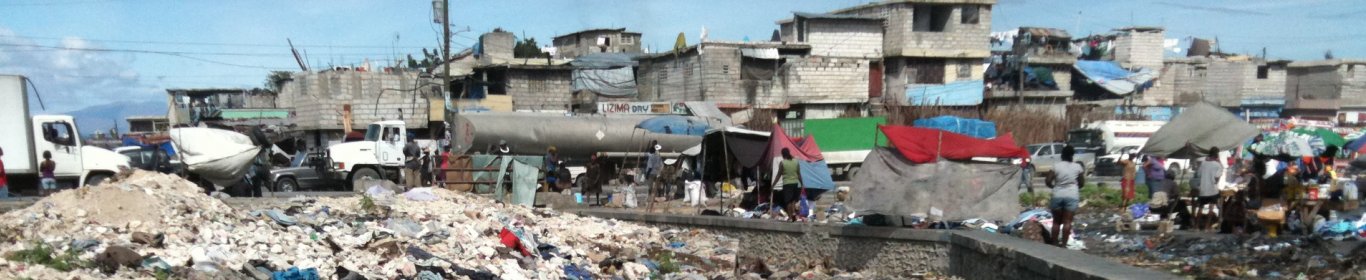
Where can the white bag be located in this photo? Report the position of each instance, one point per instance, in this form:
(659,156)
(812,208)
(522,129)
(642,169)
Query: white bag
(693,194)
(220,156)
(629,196)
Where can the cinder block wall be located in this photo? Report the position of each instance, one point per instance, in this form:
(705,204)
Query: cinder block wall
(318,97)
(540,89)
(845,38)
(957,40)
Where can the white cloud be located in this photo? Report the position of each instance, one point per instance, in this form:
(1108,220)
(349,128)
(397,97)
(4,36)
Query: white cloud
(73,79)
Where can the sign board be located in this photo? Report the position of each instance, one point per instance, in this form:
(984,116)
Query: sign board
(643,108)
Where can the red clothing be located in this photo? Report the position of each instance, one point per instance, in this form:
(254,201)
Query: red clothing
(1127,186)
(3,177)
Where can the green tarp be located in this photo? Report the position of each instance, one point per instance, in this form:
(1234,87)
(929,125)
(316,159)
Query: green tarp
(845,134)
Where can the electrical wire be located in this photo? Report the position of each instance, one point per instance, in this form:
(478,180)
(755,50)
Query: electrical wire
(184,55)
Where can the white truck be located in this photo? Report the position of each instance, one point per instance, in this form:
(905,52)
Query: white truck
(1110,139)
(28,137)
(379,156)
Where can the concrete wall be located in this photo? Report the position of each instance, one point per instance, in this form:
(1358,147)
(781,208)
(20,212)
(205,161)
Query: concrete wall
(898,68)
(896,253)
(1312,83)
(844,38)
(318,97)
(539,89)
(716,76)
(575,45)
(1139,49)
(956,40)
(498,46)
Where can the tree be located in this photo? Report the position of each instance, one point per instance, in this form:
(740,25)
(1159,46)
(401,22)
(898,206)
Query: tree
(412,63)
(276,80)
(528,48)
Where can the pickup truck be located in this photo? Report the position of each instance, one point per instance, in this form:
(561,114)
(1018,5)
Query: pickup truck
(1042,157)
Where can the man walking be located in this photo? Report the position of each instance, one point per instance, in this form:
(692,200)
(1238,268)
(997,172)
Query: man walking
(1207,193)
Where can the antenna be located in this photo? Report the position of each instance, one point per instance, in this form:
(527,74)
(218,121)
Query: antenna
(297,58)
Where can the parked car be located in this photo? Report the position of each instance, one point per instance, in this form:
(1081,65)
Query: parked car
(307,172)
(1044,155)
(150,159)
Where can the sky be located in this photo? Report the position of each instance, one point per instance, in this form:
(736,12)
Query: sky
(81,53)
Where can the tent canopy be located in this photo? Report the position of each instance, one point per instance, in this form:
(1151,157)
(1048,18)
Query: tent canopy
(894,185)
(733,148)
(1197,129)
(806,152)
(1329,137)
(922,145)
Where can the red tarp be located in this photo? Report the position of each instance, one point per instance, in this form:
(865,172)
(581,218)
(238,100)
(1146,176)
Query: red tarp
(921,145)
(803,148)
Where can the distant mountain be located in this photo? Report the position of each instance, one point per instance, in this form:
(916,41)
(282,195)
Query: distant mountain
(103,117)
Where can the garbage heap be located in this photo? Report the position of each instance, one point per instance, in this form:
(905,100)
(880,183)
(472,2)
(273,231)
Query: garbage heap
(157,225)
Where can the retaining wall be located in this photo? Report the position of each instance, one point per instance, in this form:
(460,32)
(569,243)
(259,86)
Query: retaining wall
(898,252)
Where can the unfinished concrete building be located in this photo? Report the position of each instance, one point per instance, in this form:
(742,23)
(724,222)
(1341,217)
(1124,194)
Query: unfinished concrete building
(1326,89)
(1246,85)
(226,106)
(326,103)
(758,75)
(933,50)
(532,85)
(601,40)
(1035,74)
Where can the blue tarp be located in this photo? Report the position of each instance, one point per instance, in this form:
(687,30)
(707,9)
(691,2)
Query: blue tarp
(960,93)
(680,125)
(1115,79)
(816,175)
(971,127)
(166,146)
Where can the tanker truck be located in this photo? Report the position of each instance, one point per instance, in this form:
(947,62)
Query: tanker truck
(617,139)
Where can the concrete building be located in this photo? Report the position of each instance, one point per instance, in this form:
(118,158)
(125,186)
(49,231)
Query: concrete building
(226,106)
(1232,81)
(531,85)
(147,124)
(1035,74)
(1331,89)
(929,44)
(325,104)
(496,46)
(759,75)
(599,40)
(835,35)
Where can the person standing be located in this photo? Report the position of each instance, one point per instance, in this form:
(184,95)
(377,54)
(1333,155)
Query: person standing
(792,178)
(653,164)
(1066,181)
(46,172)
(551,160)
(444,163)
(410,169)
(1126,183)
(1207,191)
(427,161)
(4,180)
(1154,172)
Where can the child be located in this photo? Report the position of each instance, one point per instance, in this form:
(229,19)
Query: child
(46,169)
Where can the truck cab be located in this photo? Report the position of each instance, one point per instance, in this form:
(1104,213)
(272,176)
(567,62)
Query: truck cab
(76,164)
(379,155)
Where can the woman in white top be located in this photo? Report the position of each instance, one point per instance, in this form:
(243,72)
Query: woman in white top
(1066,180)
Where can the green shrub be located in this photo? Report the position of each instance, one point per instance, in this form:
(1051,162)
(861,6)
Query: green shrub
(42,254)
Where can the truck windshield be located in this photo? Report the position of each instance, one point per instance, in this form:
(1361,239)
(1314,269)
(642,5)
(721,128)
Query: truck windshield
(372,132)
(1084,138)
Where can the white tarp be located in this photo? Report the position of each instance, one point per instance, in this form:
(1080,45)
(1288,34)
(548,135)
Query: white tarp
(220,156)
(760,53)
(890,184)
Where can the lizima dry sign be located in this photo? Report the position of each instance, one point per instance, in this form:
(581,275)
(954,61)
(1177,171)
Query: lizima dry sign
(641,108)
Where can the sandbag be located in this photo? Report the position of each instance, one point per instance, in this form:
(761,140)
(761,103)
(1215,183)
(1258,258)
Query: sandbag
(220,156)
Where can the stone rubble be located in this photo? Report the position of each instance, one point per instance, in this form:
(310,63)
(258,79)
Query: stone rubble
(385,237)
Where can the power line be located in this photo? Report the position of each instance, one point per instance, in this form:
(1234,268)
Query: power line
(48,3)
(219,43)
(185,55)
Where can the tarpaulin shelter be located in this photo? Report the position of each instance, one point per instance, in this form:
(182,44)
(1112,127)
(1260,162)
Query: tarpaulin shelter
(894,185)
(1328,137)
(1113,78)
(725,151)
(1197,129)
(607,74)
(922,145)
(971,127)
(815,172)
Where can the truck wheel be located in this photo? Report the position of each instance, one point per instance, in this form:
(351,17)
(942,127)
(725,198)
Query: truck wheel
(361,173)
(96,179)
(287,185)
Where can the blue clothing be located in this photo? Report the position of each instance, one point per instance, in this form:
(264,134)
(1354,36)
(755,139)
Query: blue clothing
(1068,204)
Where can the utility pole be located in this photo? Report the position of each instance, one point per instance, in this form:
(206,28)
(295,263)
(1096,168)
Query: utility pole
(443,16)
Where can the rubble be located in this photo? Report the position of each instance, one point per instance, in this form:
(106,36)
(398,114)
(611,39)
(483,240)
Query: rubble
(172,227)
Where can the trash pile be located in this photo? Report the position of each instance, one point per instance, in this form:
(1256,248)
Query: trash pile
(155,225)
